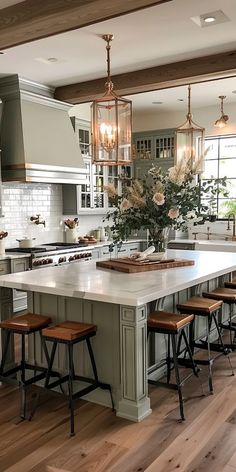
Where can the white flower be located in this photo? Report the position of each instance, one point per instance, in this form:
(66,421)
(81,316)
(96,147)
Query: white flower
(158,198)
(125,204)
(191,214)
(173,213)
(177,174)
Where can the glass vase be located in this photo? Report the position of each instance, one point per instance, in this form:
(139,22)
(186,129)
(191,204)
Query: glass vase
(159,238)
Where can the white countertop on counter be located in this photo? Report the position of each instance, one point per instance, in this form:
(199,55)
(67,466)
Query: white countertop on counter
(210,245)
(88,282)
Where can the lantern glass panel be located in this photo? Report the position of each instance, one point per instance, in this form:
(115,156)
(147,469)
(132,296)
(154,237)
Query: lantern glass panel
(111,131)
(189,145)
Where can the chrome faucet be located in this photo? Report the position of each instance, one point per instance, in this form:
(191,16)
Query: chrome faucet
(37,221)
(228,227)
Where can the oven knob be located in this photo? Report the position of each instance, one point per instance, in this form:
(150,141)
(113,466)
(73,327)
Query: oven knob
(40,262)
(71,258)
(36,263)
(45,261)
(50,261)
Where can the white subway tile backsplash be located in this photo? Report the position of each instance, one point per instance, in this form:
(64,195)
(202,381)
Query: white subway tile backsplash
(20,201)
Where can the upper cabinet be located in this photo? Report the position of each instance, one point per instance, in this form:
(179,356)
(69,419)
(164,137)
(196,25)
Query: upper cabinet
(156,147)
(90,196)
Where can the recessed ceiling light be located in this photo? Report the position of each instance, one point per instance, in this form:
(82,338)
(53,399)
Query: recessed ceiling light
(209,19)
(2,53)
(49,60)
(233,91)
(52,59)
(157,103)
(180,99)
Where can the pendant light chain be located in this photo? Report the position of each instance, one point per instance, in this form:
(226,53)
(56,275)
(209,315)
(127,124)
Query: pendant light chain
(109,84)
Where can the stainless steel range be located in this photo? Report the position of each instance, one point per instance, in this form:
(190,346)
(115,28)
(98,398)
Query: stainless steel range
(52,254)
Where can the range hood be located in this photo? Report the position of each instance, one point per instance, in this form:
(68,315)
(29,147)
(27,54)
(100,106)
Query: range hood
(38,141)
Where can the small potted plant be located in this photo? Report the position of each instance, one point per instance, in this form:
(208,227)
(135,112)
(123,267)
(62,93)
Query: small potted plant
(71,230)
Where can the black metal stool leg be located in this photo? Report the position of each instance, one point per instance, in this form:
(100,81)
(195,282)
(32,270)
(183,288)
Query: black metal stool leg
(226,351)
(181,404)
(92,359)
(48,374)
(194,366)
(4,355)
(168,360)
(209,356)
(70,386)
(22,385)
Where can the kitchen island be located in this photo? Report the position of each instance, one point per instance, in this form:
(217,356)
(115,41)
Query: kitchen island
(119,304)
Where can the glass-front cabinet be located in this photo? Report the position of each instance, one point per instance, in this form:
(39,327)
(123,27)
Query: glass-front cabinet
(90,196)
(155,147)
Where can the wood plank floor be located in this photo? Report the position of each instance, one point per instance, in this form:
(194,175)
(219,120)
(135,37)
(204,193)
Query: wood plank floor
(205,442)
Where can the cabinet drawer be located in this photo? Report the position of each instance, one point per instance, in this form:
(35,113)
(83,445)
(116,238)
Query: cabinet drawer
(20,265)
(4,267)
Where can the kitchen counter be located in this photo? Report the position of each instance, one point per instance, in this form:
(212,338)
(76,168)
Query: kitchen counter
(118,304)
(211,245)
(87,282)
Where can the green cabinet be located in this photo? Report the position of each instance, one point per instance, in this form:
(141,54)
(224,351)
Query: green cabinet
(155,147)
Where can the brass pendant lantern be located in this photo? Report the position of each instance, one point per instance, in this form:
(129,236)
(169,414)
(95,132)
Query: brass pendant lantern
(189,144)
(222,121)
(111,124)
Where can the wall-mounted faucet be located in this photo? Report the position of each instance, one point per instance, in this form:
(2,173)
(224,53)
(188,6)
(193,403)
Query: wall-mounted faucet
(228,227)
(37,221)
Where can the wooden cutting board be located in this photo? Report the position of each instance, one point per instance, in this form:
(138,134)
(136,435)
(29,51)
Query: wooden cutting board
(125,264)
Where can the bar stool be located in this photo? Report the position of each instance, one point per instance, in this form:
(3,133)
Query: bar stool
(207,308)
(24,325)
(70,333)
(173,325)
(228,296)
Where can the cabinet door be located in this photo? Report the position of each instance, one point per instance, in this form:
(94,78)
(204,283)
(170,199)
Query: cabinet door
(164,146)
(144,147)
(20,265)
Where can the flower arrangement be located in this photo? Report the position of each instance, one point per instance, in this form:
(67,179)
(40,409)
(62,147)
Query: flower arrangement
(160,201)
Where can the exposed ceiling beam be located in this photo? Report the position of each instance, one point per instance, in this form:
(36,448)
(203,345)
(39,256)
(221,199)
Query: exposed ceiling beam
(155,78)
(35,19)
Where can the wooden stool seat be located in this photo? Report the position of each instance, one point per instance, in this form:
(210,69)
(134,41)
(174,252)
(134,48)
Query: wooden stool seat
(26,323)
(69,331)
(207,307)
(168,321)
(23,325)
(231,284)
(173,325)
(227,295)
(199,305)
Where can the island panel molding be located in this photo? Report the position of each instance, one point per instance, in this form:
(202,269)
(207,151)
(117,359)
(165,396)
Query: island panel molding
(30,20)
(198,69)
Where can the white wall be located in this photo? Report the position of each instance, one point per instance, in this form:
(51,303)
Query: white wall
(204,117)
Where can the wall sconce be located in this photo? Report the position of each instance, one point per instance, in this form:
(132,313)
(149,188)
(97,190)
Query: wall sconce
(189,144)
(111,124)
(222,121)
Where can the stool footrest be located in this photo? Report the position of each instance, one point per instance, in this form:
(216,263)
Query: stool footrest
(213,346)
(231,327)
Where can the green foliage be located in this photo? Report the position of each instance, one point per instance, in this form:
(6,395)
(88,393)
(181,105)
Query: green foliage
(162,200)
(230,207)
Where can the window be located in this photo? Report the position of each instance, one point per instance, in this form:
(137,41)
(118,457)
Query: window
(220,161)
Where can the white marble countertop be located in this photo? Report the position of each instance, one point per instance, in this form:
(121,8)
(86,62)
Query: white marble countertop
(88,282)
(209,245)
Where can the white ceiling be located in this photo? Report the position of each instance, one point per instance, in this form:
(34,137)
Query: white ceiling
(154,36)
